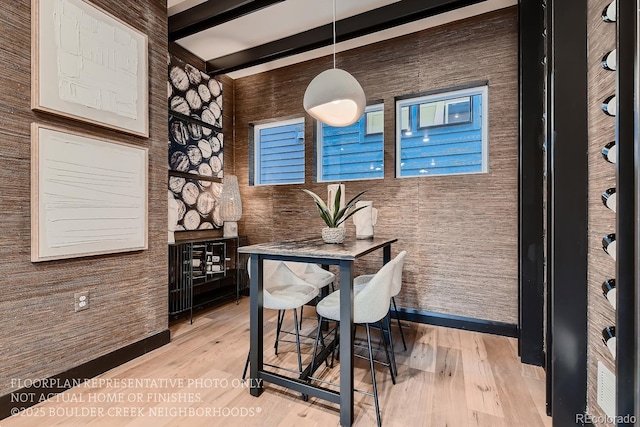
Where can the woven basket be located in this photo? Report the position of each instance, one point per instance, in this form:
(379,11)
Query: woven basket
(333,235)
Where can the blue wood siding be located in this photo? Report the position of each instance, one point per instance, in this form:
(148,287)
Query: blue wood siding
(348,153)
(446,149)
(281,154)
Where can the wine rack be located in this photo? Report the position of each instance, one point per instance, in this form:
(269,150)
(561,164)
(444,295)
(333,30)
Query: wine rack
(609,199)
(604,193)
(609,245)
(609,106)
(204,271)
(609,339)
(610,152)
(207,260)
(609,291)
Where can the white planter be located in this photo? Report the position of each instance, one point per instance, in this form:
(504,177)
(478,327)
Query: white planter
(333,235)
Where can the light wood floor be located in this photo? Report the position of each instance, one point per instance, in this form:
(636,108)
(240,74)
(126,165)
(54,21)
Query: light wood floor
(446,377)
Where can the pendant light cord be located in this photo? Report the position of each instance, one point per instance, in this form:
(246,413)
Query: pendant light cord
(334,33)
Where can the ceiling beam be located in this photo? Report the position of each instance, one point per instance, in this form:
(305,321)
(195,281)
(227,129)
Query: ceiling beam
(212,13)
(375,20)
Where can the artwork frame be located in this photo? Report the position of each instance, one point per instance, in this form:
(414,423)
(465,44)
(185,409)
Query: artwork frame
(89,195)
(65,60)
(193,94)
(195,148)
(198,202)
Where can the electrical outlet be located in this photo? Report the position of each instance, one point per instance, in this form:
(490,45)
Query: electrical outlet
(81,301)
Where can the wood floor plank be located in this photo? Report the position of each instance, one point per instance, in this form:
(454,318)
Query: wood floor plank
(421,347)
(480,419)
(417,387)
(530,371)
(480,387)
(517,402)
(436,376)
(449,338)
(449,401)
(537,389)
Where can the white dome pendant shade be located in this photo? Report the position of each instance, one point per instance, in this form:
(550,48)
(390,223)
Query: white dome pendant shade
(335,97)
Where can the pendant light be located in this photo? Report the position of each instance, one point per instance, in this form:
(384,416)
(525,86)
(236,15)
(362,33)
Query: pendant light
(334,96)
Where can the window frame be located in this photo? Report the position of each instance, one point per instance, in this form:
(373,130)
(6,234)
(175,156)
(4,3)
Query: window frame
(409,124)
(257,141)
(447,105)
(443,95)
(367,115)
(320,145)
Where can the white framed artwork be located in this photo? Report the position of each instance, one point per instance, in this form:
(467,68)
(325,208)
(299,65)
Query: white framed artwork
(88,195)
(88,65)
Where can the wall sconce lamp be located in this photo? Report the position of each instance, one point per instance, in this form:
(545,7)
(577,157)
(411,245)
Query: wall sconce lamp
(231,206)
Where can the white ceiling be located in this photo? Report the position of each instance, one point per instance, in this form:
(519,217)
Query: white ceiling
(294,16)
(177,6)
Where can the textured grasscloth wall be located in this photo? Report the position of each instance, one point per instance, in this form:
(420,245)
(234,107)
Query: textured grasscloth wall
(227,123)
(602,175)
(460,231)
(41,335)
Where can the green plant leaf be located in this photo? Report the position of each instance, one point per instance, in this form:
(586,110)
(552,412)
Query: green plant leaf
(354,199)
(349,215)
(326,217)
(339,215)
(336,203)
(318,200)
(322,209)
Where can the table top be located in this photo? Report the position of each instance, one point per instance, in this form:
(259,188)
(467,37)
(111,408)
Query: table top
(351,249)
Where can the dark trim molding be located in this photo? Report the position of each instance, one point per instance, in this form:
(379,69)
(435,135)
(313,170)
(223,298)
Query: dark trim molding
(58,383)
(188,175)
(626,138)
(459,322)
(211,13)
(548,167)
(567,209)
(636,155)
(379,19)
(444,89)
(530,182)
(186,118)
(190,58)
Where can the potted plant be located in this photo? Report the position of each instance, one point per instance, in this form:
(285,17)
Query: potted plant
(332,233)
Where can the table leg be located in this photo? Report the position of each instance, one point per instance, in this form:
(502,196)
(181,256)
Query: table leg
(386,254)
(323,293)
(256,325)
(346,343)
(386,257)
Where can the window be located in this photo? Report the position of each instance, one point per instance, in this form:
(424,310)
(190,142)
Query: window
(405,119)
(355,151)
(279,152)
(444,112)
(442,134)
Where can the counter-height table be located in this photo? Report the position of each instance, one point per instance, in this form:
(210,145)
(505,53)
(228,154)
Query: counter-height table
(313,251)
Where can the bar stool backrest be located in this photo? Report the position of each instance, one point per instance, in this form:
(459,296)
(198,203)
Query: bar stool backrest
(372,303)
(397,273)
(292,291)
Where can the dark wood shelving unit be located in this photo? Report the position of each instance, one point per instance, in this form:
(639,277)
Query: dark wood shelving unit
(203,271)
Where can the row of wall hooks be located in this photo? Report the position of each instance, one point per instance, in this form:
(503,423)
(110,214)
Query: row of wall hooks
(609,107)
